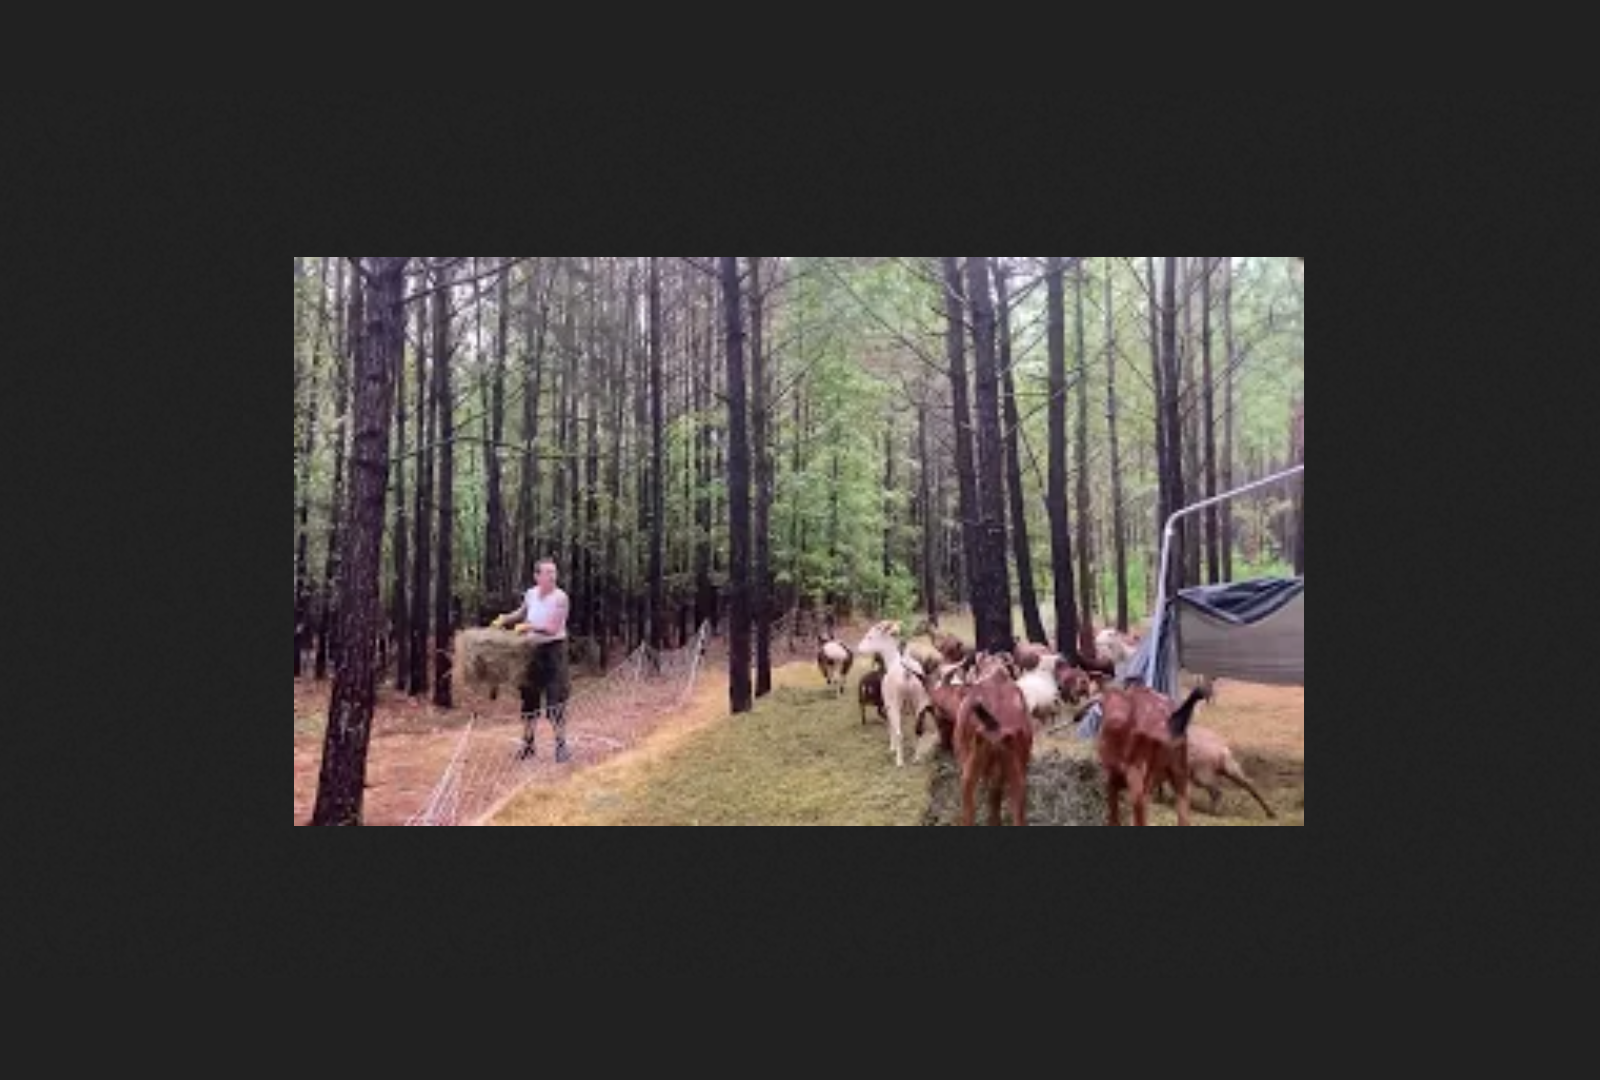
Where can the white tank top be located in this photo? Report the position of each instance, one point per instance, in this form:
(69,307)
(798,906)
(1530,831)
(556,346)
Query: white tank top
(540,611)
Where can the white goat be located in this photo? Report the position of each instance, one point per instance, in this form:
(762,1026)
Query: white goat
(904,694)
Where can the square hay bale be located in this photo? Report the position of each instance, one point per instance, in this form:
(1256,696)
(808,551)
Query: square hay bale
(487,659)
(1064,788)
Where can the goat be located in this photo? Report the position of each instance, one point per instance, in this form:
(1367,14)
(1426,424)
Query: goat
(1144,742)
(994,744)
(1031,657)
(1211,758)
(1114,648)
(870,692)
(903,691)
(834,659)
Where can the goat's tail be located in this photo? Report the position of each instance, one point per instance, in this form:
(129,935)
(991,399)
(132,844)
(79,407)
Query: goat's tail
(985,716)
(1178,724)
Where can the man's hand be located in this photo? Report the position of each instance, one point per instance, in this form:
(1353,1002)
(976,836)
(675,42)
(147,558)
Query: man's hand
(499,621)
(524,628)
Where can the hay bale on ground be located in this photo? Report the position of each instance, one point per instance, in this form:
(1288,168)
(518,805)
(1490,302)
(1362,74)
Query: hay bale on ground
(1064,788)
(487,660)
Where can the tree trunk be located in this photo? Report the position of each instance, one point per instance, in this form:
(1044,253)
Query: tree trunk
(1158,383)
(1229,367)
(759,397)
(1193,535)
(1213,537)
(496,583)
(738,496)
(328,637)
(1032,621)
(1085,573)
(966,474)
(341,784)
(658,462)
(1172,421)
(932,519)
(1065,583)
(995,624)
(302,572)
(427,416)
(1119,533)
(399,619)
(443,402)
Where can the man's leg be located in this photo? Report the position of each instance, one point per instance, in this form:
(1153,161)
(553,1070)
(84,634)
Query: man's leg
(532,683)
(558,688)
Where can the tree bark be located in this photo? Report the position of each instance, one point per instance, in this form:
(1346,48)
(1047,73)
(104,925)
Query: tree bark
(341,784)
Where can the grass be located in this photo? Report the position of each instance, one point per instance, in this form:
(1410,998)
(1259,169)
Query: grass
(802,758)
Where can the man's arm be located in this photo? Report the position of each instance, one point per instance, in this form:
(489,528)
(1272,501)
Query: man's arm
(513,618)
(556,625)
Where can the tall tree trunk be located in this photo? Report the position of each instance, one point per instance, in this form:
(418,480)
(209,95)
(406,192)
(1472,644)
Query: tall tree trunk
(1209,422)
(496,583)
(738,495)
(1171,419)
(1119,532)
(932,518)
(995,624)
(399,619)
(762,452)
(658,461)
(1085,572)
(533,377)
(1229,367)
(705,593)
(299,424)
(1032,621)
(1193,534)
(966,474)
(302,571)
(1060,533)
(1158,384)
(328,637)
(443,401)
(427,416)
(341,784)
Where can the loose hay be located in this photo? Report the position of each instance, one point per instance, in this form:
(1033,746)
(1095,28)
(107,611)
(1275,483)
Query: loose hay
(487,660)
(1063,789)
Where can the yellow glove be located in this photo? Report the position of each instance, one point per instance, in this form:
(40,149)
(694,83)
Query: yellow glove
(525,628)
(499,621)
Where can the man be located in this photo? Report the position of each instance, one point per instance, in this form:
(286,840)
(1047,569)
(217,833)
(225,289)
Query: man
(543,614)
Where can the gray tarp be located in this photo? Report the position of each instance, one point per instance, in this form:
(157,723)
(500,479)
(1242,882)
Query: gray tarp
(1254,631)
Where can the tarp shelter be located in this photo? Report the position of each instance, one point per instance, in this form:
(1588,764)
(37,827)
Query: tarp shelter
(1254,631)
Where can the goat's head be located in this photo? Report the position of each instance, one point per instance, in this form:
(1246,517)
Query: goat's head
(881,640)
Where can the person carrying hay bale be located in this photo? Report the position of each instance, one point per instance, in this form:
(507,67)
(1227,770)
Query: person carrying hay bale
(543,615)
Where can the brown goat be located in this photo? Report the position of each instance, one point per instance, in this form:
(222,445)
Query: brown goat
(994,744)
(951,648)
(1029,656)
(870,692)
(1143,743)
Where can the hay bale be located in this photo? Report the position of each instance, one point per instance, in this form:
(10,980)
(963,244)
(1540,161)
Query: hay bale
(1064,788)
(487,660)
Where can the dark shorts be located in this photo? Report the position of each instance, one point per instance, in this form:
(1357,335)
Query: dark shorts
(548,681)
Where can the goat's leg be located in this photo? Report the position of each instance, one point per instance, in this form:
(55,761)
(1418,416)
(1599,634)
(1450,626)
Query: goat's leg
(969,794)
(1182,785)
(896,736)
(1233,772)
(1017,783)
(1114,799)
(997,791)
(1139,791)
